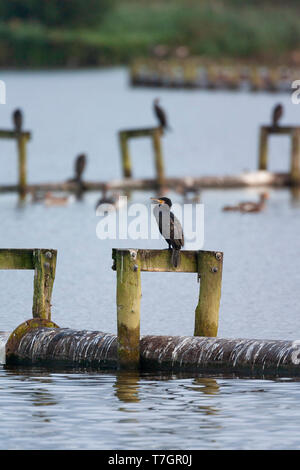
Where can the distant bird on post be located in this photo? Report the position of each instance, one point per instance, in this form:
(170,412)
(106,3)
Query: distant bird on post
(80,164)
(18,120)
(277,115)
(79,167)
(161,115)
(169,226)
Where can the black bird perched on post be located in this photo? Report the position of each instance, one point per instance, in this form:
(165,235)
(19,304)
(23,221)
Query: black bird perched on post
(161,115)
(79,167)
(80,164)
(277,114)
(169,226)
(18,120)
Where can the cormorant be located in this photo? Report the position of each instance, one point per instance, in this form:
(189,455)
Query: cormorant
(79,167)
(169,226)
(18,120)
(80,164)
(277,114)
(161,115)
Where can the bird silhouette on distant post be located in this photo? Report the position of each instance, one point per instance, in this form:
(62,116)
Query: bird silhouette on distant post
(161,115)
(277,115)
(17,120)
(79,167)
(80,164)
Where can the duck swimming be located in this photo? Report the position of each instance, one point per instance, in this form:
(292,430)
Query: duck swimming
(249,206)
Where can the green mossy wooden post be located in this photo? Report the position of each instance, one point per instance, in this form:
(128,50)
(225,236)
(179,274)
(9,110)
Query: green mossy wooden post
(126,162)
(159,164)
(210,267)
(128,308)
(263,149)
(129,263)
(44,274)
(21,142)
(43,262)
(295,157)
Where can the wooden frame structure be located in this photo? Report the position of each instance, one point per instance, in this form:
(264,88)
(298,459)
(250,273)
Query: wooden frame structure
(129,263)
(294,133)
(43,262)
(155,134)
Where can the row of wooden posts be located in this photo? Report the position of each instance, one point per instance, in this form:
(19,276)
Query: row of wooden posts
(161,181)
(128,264)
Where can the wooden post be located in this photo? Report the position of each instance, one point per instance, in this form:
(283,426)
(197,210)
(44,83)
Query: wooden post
(295,157)
(263,149)
(126,163)
(210,266)
(159,164)
(44,273)
(128,308)
(21,142)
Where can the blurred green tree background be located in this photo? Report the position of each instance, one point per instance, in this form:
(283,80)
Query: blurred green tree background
(74,33)
(67,13)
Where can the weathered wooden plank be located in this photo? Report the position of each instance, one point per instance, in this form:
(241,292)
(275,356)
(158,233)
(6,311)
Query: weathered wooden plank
(128,133)
(16,259)
(7,134)
(280,129)
(250,179)
(160,260)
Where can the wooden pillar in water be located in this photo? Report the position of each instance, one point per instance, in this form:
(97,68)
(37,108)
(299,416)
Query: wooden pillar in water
(22,161)
(263,149)
(44,273)
(128,307)
(295,157)
(126,162)
(210,266)
(159,164)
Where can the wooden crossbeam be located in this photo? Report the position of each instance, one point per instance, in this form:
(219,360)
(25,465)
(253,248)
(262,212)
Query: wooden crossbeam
(8,134)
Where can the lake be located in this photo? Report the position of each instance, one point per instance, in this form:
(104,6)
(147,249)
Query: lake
(70,112)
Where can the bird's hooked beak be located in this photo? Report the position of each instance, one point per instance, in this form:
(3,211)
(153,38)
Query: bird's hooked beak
(157,200)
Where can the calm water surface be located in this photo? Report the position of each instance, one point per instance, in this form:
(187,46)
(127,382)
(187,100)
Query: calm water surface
(213,133)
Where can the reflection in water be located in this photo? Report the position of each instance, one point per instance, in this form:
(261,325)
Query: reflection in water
(180,411)
(127,386)
(295,196)
(208,385)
